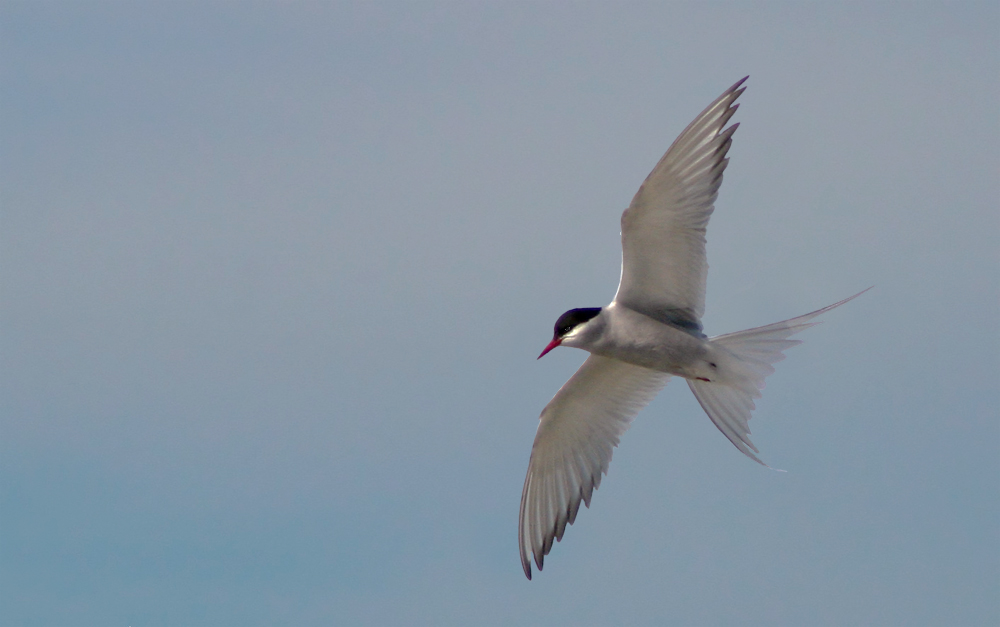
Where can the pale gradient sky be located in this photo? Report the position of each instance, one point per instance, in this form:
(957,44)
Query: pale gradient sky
(273,278)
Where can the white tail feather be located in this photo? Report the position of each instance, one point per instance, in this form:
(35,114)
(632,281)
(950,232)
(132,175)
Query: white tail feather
(729,402)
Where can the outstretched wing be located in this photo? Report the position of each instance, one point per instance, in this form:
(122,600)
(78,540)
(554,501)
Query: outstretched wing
(578,431)
(663,231)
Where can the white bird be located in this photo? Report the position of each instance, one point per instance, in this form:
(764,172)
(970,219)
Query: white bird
(650,331)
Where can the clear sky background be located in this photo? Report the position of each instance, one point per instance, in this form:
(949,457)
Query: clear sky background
(273,278)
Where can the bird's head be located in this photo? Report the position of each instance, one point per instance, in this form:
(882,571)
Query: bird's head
(569,325)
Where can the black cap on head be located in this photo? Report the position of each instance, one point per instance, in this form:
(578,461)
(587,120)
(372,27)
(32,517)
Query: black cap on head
(574,318)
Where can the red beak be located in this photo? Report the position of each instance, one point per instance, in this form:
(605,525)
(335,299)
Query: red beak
(552,344)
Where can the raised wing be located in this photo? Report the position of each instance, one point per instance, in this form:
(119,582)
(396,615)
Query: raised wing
(663,231)
(578,431)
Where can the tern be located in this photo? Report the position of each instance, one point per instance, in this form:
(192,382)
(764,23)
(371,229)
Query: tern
(650,331)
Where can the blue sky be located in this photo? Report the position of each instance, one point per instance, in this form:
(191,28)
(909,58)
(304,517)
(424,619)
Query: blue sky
(274,278)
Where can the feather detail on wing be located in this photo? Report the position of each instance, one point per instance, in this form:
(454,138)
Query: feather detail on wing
(577,433)
(664,268)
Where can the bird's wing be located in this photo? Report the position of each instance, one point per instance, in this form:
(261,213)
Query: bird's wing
(577,431)
(663,230)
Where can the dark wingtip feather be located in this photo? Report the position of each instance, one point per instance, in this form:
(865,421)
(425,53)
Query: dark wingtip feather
(526,564)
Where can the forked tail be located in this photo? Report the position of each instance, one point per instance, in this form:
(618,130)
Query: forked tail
(729,404)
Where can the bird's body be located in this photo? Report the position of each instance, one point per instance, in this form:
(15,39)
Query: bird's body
(622,333)
(650,331)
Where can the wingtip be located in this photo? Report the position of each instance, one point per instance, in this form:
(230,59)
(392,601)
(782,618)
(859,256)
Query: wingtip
(525,563)
(846,300)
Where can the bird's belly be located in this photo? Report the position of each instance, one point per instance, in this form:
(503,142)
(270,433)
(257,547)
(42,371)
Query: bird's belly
(662,348)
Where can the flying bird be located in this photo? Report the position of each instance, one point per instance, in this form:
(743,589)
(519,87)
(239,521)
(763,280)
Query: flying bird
(650,331)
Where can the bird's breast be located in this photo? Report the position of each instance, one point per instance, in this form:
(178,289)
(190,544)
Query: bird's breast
(635,338)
